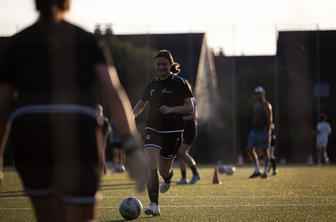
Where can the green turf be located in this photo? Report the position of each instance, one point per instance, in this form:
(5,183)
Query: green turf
(298,193)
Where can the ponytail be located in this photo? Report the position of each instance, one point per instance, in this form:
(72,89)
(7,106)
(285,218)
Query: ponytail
(175,68)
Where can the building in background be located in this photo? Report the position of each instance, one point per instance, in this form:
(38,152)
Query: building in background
(300,81)
(237,78)
(306,62)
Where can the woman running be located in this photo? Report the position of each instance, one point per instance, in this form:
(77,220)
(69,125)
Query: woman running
(189,136)
(52,78)
(169,99)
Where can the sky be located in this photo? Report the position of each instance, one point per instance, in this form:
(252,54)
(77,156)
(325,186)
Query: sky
(239,27)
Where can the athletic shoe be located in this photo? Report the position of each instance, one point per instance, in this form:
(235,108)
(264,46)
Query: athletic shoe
(255,174)
(182,181)
(164,187)
(275,172)
(119,169)
(153,209)
(264,176)
(194,179)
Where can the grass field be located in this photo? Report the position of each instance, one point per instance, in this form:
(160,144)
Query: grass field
(298,193)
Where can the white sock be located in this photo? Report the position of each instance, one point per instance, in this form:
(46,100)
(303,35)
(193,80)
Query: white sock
(256,169)
(266,169)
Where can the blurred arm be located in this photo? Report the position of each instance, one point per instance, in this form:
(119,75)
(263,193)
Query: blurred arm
(269,116)
(139,108)
(117,102)
(120,111)
(188,107)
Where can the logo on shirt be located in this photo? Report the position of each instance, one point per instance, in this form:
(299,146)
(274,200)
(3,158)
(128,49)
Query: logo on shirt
(152,92)
(165,91)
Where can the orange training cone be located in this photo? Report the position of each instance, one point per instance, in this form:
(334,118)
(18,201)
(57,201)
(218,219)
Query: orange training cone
(215,178)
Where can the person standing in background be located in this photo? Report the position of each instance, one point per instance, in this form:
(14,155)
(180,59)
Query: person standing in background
(323,129)
(260,137)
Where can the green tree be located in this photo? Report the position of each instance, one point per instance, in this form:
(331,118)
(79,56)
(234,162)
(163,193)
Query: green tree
(135,66)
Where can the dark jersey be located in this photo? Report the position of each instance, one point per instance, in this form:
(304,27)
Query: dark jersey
(260,117)
(170,92)
(52,64)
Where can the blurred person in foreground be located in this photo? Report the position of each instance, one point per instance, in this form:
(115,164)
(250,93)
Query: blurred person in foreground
(260,137)
(52,78)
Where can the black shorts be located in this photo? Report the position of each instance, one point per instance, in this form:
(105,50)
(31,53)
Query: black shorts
(58,154)
(168,143)
(190,132)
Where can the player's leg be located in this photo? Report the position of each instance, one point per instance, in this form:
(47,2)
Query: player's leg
(266,155)
(183,168)
(122,157)
(47,209)
(152,155)
(166,172)
(33,156)
(183,164)
(152,143)
(183,153)
(171,144)
(264,144)
(251,151)
(118,157)
(189,136)
(318,155)
(273,160)
(115,159)
(255,161)
(78,170)
(325,155)
(79,212)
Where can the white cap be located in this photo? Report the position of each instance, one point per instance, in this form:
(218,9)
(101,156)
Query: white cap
(260,89)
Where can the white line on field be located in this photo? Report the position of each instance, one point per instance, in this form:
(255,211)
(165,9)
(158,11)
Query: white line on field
(236,205)
(203,206)
(231,197)
(206,197)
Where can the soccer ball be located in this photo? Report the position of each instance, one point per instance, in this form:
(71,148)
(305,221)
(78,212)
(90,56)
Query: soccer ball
(230,170)
(130,208)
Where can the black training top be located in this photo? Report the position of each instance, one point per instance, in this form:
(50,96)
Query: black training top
(260,117)
(170,92)
(53,64)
